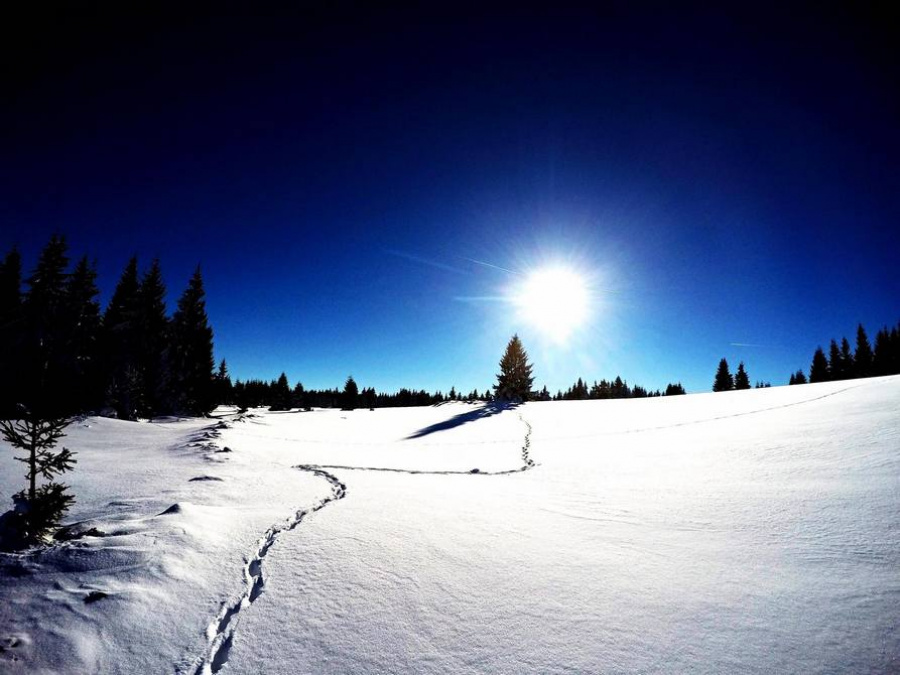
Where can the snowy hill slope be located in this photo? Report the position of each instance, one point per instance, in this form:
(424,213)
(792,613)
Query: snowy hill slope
(748,531)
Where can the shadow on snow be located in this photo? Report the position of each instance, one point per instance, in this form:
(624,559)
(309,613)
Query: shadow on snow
(487,410)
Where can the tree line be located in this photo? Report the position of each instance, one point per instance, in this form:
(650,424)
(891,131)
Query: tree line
(842,363)
(62,355)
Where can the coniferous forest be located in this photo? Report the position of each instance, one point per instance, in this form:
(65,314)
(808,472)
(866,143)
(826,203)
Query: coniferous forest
(62,355)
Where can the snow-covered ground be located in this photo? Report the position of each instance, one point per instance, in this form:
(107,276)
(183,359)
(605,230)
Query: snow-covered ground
(746,532)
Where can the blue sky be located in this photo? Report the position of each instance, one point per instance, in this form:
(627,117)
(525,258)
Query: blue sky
(728,182)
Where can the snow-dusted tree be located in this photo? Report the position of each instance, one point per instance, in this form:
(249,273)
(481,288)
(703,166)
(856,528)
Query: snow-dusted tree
(818,371)
(514,381)
(350,395)
(741,379)
(38,508)
(192,351)
(723,381)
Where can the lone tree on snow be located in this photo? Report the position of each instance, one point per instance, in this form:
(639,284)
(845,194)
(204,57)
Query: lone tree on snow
(514,381)
(39,508)
(723,381)
(351,394)
(741,379)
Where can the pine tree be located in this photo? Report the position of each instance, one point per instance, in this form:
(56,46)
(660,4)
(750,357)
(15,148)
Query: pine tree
(45,349)
(281,394)
(723,380)
(224,387)
(82,324)
(120,337)
(152,348)
(818,371)
(38,508)
(848,362)
(514,382)
(880,356)
(798,378)
(350,396)
(836,366)
(741,379)
(11,332)
(192,351)
(863,356)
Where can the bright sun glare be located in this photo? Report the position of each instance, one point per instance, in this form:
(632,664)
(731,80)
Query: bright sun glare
(554,300)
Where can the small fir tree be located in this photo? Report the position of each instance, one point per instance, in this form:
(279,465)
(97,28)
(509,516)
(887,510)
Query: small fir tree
(38,508)
(723,380)
(514,381)
(281,394)
(741,379)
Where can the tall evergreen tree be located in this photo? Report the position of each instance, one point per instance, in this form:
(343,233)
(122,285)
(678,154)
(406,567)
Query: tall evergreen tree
(818,371)
(741,379)
(836,367)
(45,349)
(11,332)
(192,351)
(514,381)
(121,336)
(863,356)
(281,394)
(153,343)
(350,396)
(848,363)
(723,380)
(82,322)
(224,386)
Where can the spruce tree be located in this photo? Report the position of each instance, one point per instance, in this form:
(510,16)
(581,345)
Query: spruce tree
(848,362)
(38,508)
(45,347)
(741,379)
(82,323)
(281,394)
(192,351)
(350,395)
(120,337)
(514,381)
(818,371)
(224,387)
(152,348)
(836,366)
(863,356)
(723,380)
(798,378)
(11,332)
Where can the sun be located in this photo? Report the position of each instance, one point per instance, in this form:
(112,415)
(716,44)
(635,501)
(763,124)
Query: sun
(554,300)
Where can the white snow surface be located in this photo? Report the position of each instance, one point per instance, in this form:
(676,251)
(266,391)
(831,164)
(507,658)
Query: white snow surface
(751,532)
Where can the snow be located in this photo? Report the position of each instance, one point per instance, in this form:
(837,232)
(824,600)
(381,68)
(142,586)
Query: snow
(749,531)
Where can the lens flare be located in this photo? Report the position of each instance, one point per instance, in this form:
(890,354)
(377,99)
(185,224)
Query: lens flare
(554,300)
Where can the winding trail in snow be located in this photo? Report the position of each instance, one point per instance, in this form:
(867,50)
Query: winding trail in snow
(221,630)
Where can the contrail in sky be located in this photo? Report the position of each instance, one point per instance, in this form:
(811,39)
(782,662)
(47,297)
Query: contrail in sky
(487,264)
(424,261)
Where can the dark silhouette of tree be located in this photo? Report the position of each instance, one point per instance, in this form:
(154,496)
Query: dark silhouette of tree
(192,351)
(863,356)
(11,332)
(152,347)
(82,325)
(38,508)
(836,367)
(281,396)
(848,362)
(723,380)
(223,385)
(818,370)
(120,337)
(675,389)
(350,396)
(797,378)
(741,379)
(514,381)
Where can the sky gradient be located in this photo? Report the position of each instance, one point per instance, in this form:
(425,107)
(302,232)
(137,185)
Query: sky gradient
(362,188)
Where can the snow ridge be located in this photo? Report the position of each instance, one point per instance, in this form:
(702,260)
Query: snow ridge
(220,632)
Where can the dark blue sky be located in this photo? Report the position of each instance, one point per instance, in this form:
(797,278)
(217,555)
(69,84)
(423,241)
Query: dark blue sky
(729,181)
